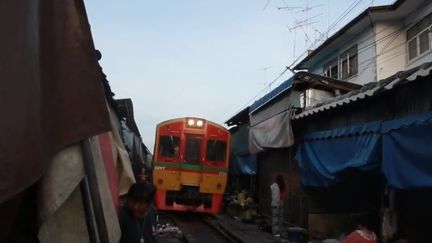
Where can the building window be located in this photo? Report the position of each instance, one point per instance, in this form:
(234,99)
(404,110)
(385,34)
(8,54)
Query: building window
(331,69)
(412,49)
(419,38)
(344,66)
(352,62)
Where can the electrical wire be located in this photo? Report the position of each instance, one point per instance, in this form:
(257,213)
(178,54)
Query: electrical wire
(267,3)
(260,92)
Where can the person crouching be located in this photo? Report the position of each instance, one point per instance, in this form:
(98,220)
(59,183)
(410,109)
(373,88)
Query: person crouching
(138,216)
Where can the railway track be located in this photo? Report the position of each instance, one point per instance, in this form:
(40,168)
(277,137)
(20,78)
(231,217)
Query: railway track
(202,228)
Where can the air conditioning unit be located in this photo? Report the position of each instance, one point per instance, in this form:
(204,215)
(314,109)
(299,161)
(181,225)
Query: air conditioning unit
(311,97)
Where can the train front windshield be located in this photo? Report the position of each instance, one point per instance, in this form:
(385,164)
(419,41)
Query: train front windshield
(216,150)
(169,146)
(193,149)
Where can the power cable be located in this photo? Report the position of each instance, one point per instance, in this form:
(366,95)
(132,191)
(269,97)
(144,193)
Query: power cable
(267,3)
(260,92)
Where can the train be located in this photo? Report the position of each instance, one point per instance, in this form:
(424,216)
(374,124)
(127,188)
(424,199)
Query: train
(190,165)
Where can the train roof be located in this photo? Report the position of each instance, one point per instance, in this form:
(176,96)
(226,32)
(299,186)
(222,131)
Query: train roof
(186,117)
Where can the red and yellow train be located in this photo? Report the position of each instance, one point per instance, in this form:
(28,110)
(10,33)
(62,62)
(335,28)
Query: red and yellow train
(190,165)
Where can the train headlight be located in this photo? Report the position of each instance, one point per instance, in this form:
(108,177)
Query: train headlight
(219,186)
(195,123)
(191,122)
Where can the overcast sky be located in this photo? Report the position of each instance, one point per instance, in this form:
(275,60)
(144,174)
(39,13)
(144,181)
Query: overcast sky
(205,58)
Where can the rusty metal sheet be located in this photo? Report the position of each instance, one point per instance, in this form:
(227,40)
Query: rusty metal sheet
(50,87)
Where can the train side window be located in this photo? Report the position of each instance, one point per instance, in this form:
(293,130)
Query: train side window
(216,150)
(169,146)
(193,149)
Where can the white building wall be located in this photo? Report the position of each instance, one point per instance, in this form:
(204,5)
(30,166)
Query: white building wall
(366,57)
(412,19)
(391,48)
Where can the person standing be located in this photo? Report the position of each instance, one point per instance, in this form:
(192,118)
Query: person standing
(278,192)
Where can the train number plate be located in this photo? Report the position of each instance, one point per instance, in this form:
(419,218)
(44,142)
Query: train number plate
(159,168)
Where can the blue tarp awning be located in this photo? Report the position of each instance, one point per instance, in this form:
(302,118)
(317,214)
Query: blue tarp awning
(324,156)
(245,165)
(407,151)
(241,161)
(399,149)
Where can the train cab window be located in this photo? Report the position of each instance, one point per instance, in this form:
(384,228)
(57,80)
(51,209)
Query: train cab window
(169,146)
(193,149)
(216,150)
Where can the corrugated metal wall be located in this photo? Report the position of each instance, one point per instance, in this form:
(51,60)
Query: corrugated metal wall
(409,99)
(270,164)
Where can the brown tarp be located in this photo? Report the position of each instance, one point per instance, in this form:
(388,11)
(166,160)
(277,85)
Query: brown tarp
(50,87)
(61,205)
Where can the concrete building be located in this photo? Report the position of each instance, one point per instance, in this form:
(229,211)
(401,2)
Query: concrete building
(262,132)
(376,44)
(384,44)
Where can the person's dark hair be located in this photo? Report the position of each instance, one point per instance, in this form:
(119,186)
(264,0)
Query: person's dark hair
(365,220)
(142,191)
(281,182)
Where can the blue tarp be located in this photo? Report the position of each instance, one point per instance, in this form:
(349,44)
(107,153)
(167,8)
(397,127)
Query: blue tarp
(241,161)
(324,156)
(245,165)
(407,152)
(286,85)
(400,149)
(240,141)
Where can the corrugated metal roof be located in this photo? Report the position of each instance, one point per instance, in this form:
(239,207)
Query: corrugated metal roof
(369,90)
(302,78)
(239,118)
(286,85)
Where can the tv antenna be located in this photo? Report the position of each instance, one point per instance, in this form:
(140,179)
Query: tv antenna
(304,23)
